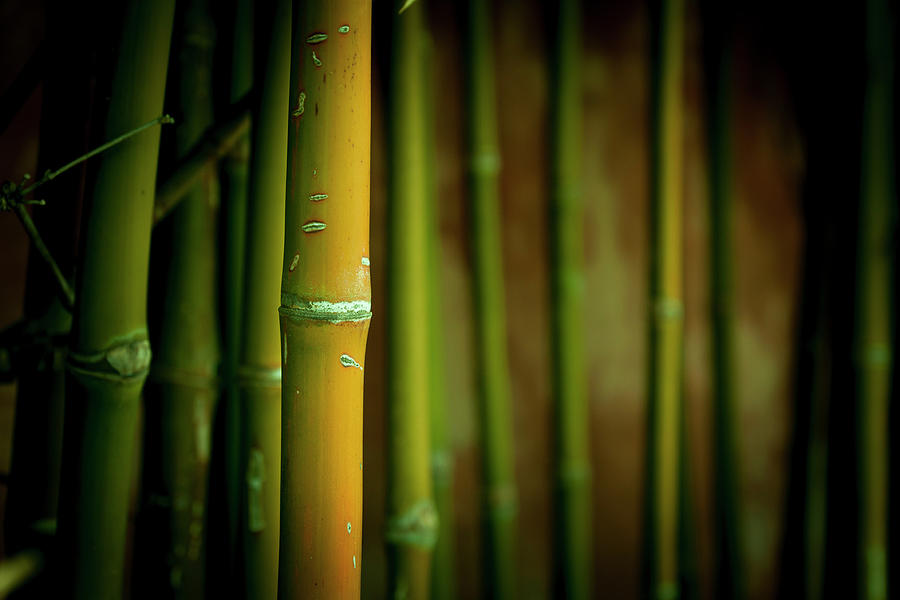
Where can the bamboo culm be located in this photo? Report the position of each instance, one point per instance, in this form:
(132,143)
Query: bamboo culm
(325,299)
(110,353)
(259,370)
(412,520)
(665,402)
(500,498)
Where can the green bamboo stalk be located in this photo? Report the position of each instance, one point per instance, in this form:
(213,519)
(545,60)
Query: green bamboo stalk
(259,373)
(873,344)
(443,572)
(728,571)
(235,172)
(183,388)
(325,299)
(110,354)
(412,520)
(573,508)
(489,306)
(665,401)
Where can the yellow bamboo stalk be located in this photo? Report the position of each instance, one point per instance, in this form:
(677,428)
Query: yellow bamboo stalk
(325,299)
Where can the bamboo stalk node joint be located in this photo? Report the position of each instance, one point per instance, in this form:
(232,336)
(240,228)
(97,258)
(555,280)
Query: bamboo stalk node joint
(417,526)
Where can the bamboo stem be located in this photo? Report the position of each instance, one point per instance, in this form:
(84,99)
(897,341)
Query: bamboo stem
(259,373)
(489,306)
(412,520)
(873,344)
(325,299)
(729,580)
(110,353)
(572,445)
(183,387)
(665,402)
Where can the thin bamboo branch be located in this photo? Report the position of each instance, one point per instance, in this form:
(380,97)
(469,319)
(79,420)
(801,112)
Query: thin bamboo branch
(18,569)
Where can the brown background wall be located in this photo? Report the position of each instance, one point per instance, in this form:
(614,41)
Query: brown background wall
(769,166)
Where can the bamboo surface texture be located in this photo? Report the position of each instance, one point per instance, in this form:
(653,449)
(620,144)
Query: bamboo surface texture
(412,519)
(573,508)
(873,344)
(259,373)
(498,461)
(110,354)
(183,388)
(325,299)
(666,302)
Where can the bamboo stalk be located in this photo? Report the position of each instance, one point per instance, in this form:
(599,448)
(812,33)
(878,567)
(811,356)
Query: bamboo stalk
(235,177)
(489,306)
(259,373)
(443,573)
(665,401)
(873,344)
(325,300)
(412,520)
(572,419)
(110,354)
(729,580)
(183,388)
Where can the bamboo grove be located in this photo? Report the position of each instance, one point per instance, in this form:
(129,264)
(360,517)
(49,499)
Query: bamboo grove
(253,223)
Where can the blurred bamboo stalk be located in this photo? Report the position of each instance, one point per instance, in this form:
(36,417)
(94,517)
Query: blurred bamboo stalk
(412,520)
(183,387)
(873,344)
(728,570)
(325,299)
(665,401)
(235,167)
(110,353)
(443,572)
(498,462)
(259,371)
(573,509)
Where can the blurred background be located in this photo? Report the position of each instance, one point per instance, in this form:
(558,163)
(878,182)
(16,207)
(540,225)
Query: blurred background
(797,85)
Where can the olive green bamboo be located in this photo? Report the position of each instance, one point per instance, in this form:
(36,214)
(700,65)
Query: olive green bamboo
(412,522)
(500,502)
(259,372)
(729,581)
(110,354)
(665,401)
(183,388)
(325,299)
(443,573)
(873,343)
(235,167)
(573,508)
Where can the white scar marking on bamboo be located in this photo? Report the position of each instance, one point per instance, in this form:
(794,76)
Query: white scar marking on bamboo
(365,261)
(318,197)
(301,102)
(354,561)
(344,29)
(316,38)
(313,226)
(348,527)
(349,361)
(316,60)
(315,172)
(323,310)
(294,262)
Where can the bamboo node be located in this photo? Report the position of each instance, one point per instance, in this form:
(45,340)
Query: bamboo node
(485,163)
(322,310)
(418,526)
(126,361)
(668,308)
(441,467)
(252,376)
